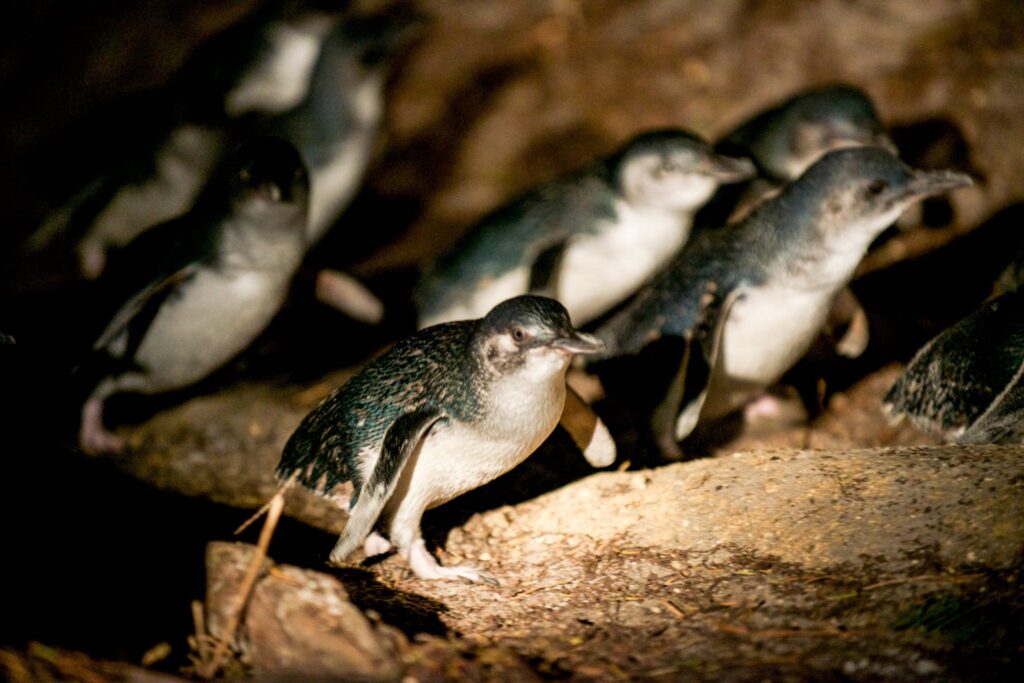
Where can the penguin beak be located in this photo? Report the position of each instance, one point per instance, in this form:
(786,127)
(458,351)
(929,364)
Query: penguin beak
(930,183)
(269,191)
(728,169)
(578,342)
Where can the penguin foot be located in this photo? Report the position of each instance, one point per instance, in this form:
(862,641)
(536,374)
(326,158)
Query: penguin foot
(93,437)
(425,566)
(375,544)
(92,259)
(765,407)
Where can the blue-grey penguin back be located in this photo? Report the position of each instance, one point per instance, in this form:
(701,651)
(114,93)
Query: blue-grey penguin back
(513,235)
(432,366)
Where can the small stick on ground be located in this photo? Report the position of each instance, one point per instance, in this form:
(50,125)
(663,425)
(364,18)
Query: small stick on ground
(210,667)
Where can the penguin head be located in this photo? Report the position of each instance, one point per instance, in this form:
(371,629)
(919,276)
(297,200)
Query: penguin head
(814,123)
(674,169)
(860,191)
(530,337)
(267,172)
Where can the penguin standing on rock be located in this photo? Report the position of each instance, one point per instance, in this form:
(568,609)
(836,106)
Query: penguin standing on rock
(442,412)
(197,290)
(589,239)
(746,302)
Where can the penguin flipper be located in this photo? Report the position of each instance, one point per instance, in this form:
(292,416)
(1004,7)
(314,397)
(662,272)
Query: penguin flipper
(698,367)
(401,440)
(138,312)
(847,310)
(587,430)
(544,270)
(350,296)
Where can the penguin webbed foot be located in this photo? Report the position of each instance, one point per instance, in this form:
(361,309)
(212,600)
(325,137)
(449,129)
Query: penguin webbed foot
(93,437)
(425,566)
(375,545)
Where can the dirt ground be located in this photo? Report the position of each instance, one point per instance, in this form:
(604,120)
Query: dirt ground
(847,548)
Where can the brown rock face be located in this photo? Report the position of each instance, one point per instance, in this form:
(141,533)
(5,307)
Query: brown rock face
(298,623)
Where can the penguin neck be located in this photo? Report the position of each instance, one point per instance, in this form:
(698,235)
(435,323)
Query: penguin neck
(263,238)
(808,252)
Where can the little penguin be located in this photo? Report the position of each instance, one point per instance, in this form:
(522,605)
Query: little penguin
(783,141)
(753,297)
(336,124)
(179,132)
(308,77)
(589,238)
(197,290)
(787,139)
(442,412)
(967,384)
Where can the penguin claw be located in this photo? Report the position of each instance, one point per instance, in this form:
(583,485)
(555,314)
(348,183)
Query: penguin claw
(424,566)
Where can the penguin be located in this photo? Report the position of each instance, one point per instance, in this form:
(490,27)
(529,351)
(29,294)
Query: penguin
(745,303)
(335,126)
(197,290)
(308,77)
(589,238)
(783,141)
(967,384)
(180,131)
(787,139)
(442,412)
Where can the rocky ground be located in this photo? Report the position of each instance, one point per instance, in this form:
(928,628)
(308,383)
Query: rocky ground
(847,548)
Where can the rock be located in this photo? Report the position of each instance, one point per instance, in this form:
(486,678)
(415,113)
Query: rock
(892,508)
(299,623)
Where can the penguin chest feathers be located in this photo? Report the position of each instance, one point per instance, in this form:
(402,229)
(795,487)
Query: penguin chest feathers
(602,268)
(456,457)
(213,317)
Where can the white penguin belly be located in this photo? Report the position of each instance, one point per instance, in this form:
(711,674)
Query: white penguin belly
(456,457)
(280,81)
(213,317)
(601,270)
(766,333)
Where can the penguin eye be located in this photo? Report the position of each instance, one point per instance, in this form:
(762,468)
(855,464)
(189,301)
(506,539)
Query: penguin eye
(245,175)
(669,166)
(876,188)
(519,334)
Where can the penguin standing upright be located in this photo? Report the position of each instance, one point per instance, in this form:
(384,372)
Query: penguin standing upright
(589,238)
(197,290)
(440,413)
(746,302)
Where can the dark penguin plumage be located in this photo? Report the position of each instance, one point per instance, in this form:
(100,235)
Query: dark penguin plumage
(440,413)
(749,300)
(196,291)
(177,139)
(967,384)
(308,77)
(588,238)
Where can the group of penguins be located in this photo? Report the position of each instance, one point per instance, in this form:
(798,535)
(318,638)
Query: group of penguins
(701,273)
